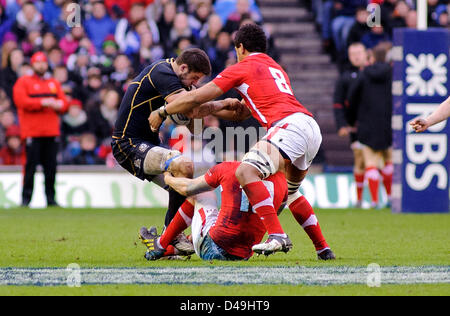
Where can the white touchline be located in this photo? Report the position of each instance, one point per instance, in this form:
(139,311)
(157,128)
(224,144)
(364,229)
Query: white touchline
(226,275)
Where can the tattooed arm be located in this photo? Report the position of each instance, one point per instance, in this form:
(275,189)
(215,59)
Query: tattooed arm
(185,186)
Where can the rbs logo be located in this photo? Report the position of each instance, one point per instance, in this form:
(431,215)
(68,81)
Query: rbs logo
(428,149)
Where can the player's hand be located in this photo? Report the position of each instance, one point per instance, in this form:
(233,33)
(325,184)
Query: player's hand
(419,125)
(155,121)
(167,177)
(201,111)
(344,131)
(47,102)
(57,105)
(233,104)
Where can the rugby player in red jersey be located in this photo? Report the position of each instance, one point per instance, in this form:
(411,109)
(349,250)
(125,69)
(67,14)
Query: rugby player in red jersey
(292,141)
(228,234)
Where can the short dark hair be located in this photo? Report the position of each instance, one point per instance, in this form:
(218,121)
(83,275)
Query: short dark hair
(252,37)
(196,60)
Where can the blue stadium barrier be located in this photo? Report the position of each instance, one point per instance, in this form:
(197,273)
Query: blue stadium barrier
(420,84)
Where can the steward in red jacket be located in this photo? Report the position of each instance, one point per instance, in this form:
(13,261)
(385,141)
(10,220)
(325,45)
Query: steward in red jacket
(39,102)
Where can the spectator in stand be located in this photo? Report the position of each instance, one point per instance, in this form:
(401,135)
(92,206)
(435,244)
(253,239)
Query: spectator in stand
(148,53)
(127,35)
(224,8)
(411,19)
(180,29)
(360,27)
(224,50)
(39,101)
(92,92)
(122,70)
(6,23)
(234,19)
(70,42)
(88,154)
(209,33)
(110,50)
(55,13)
(7,119)
(102,115)
(5,101)
(69,86)
(73,124)
(398,17)
(371,95)
(79,63)
(29,19)
(52,11)
(9,44)
(99,25)
(55,57)
(344,19)
(13,153)
(9,75)
(25,70)
(48,42)
(375,36)
(199,17)
(440,16)
(165,24)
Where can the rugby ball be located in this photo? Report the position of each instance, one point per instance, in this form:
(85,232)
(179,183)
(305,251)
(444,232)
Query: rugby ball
(180,119)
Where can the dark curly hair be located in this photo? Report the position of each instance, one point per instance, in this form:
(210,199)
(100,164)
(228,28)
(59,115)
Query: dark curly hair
(196,60)
(252,37)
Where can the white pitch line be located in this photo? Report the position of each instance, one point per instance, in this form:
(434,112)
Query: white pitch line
(225,275)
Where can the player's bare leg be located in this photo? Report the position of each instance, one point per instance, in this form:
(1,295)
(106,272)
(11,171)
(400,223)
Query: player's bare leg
(358,172)
(304,213)
(372,160)
(387,173)
(263,160)
(160,159)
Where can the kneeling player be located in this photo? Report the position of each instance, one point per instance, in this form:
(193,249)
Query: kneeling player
(228,234)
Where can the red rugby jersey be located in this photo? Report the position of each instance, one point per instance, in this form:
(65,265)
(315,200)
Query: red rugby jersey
(265,87)
(237,229)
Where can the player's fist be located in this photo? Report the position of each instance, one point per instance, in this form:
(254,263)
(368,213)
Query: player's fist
(233,104)
(419,125)
(155,121)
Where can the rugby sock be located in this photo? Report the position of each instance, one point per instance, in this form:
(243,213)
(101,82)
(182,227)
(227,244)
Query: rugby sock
(261,201)
(373,177)
(359,181)
(175,201)
(171,251)
(304,215)
(179,223)
(387,173)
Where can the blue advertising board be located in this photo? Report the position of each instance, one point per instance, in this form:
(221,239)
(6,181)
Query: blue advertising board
(420,84)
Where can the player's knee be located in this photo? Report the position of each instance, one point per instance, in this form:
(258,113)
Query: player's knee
(246,174)
(182,167)
(256,164)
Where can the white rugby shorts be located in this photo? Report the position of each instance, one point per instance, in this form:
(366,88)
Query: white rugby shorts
(298,136)
(205,216)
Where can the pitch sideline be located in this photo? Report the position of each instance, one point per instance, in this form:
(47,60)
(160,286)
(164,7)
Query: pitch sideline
(225,275)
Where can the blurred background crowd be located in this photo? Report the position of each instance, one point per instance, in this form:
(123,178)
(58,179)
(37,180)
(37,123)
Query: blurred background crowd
(96,51)
(343,22)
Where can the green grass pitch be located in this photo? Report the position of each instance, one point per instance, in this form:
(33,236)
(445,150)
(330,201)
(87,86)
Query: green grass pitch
(55,238)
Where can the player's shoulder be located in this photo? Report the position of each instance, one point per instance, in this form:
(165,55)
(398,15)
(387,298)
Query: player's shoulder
(227,167)
(162,66)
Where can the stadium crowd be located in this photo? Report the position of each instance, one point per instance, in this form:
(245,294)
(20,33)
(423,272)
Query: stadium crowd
(343,22)
(94,49)
(358,35)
